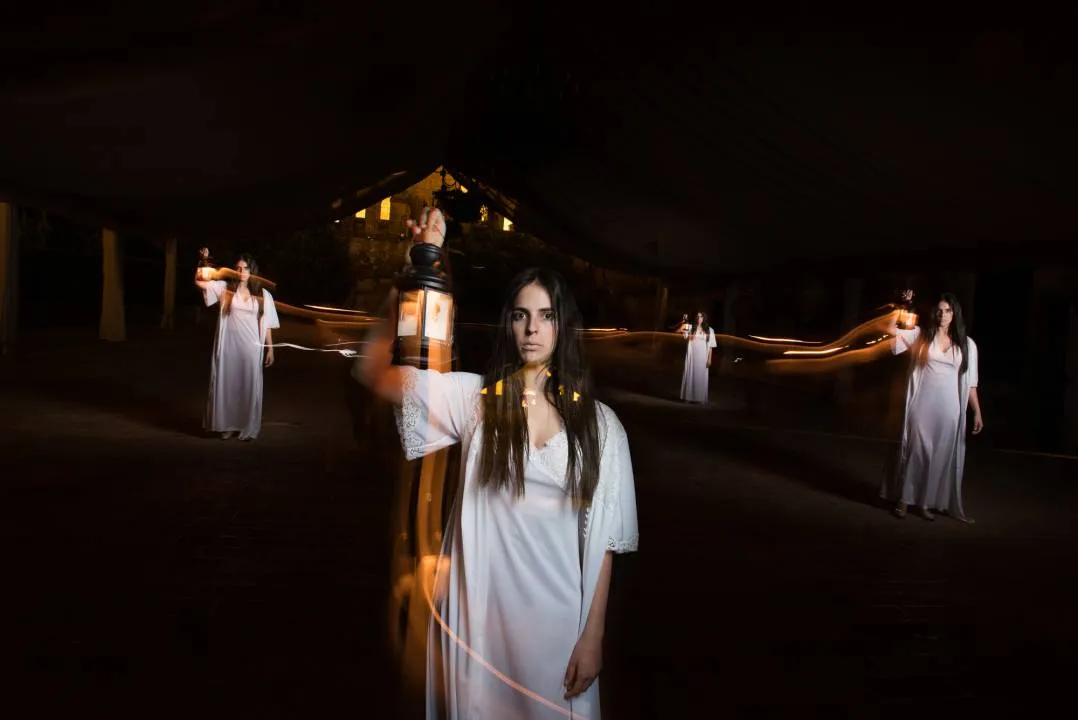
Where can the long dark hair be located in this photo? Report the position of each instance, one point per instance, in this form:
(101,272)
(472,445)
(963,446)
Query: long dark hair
(254,286)
(956,330)
(568,388)
(703,323)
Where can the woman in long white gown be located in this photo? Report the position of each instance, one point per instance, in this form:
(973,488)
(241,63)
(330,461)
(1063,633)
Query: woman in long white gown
(700,341)
(546,498)
(242,346)
(942,384)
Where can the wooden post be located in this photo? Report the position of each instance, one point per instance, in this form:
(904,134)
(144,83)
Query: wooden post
(169,311)
(662,299)
(9,276)
(113,325)
(1070,400)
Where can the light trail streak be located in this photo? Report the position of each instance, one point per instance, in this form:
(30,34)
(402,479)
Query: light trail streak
(348,352)
(786,340)
(286,309)
(829,351)
(337,310)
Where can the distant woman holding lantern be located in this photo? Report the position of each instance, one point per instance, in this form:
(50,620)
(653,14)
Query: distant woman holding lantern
(700,342)
(242,346)
(942,384)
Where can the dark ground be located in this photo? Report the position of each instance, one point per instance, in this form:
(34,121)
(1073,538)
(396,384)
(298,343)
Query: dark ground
(152,572)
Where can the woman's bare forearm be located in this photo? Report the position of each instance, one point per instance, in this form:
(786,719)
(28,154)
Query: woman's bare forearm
(595,626)
(974,400)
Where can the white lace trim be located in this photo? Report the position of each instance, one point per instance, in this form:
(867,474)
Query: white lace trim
(606,497)
(408,415)
(623,546)
(554,457)
(412,412)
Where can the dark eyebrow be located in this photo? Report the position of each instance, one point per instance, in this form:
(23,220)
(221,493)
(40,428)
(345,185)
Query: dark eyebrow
(525,310)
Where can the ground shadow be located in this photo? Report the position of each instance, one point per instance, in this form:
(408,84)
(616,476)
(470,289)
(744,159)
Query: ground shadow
(763,451)
(153,408)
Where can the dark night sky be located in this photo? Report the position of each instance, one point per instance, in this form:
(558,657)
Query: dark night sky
(644,139)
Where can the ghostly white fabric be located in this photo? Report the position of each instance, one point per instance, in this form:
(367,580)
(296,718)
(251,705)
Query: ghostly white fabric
(932,456)
(522,571)
(694,378)
(235,397)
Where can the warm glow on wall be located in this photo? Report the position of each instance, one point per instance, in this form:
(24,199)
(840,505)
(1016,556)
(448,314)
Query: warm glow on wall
(361,214)
(507,224)
(383,210)
(484,214)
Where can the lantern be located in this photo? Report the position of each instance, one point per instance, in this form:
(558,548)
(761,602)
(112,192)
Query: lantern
(907,318)
(205,269)
(425,311)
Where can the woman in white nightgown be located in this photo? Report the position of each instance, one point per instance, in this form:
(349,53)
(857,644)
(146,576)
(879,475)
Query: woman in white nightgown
(546,498)
(700,341)
(242,347)
(942,384)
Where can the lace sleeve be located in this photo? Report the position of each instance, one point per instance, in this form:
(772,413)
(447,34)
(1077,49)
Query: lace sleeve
(270,319)
(613,507)
(904,339)
(212,291)
(436,409)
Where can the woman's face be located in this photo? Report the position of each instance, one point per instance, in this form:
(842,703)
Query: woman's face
(535,328)
(944,314)
(243,270)
(699,318)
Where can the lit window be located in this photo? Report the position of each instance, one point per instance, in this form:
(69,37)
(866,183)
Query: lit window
(462,188)
(484,214)
(383,211)
(361,214)
(507,224)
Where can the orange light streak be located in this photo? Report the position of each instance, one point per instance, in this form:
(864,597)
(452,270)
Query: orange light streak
(829,351)
(785,340)
(338,310)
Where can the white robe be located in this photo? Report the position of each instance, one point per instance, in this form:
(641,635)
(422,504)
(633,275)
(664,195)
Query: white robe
(235,397)
(521,572)
(932,456)
(694,378)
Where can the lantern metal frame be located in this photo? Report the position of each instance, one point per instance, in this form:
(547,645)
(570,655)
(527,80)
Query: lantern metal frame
(425,310)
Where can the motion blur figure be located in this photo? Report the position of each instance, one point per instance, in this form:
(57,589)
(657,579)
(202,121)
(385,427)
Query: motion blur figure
(942,384)
(242,346)
(546,499)
(700,342)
